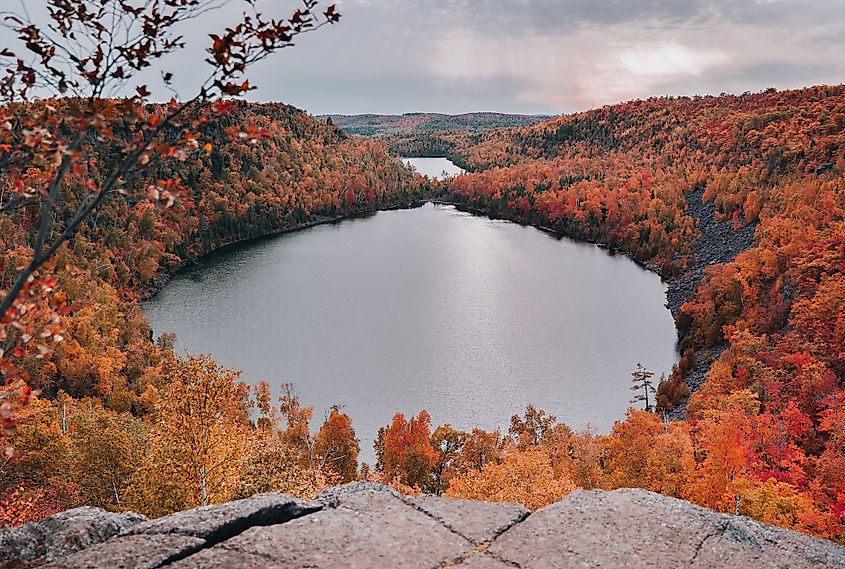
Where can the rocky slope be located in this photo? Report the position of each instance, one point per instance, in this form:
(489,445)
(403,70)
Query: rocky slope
(719,244)
(365,525)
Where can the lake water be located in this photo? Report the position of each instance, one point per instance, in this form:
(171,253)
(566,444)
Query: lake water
(429,308)
(433,167)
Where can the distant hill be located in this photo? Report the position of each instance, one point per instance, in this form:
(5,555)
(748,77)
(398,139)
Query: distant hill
(418,123)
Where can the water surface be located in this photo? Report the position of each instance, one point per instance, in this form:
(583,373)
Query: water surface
(438,168)
(429,308)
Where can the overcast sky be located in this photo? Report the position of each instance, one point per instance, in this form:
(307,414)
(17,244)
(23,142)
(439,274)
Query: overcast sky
(533,56)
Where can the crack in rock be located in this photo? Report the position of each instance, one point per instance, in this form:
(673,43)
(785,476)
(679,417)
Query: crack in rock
(261,518)
(515,523)
(437,519)
(269,515)
(723,526)
(480,550)
(494,533)
(481,547)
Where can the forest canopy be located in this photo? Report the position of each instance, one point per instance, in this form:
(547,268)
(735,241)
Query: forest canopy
(109,416)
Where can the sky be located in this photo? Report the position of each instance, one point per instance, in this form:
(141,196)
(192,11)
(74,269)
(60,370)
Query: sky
(530,56)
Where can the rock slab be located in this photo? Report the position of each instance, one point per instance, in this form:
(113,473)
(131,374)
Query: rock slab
(61,535)
(166,540)
(361,526)
(636,528)
(364,525)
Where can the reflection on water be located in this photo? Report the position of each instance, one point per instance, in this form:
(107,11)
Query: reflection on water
(430,308)
(433,167)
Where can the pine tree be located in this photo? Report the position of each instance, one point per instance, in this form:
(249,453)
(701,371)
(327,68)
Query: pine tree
(642,382)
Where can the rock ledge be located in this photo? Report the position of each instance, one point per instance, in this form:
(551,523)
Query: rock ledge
(364,525)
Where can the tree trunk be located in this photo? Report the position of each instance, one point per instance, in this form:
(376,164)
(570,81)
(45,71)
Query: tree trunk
(203,490)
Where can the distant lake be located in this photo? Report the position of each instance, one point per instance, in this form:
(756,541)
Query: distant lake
(429,308)
(433,167)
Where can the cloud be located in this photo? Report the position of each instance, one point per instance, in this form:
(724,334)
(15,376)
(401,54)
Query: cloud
(668,60)
(545,56)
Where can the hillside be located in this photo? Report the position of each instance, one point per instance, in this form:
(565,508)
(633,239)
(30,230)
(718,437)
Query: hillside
(102,410)
(420,123)
(745,192)
(681,185)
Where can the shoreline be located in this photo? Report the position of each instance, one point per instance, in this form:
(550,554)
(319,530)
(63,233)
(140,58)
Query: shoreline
(555,233)
(162,279)
(717,244)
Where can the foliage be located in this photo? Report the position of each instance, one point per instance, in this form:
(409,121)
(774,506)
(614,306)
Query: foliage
(200,444)
(641,379)
(400,126)
(524,477)
(122,423)
(763,433)
(89,51)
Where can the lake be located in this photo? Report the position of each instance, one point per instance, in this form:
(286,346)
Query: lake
(428,308)
(438,168)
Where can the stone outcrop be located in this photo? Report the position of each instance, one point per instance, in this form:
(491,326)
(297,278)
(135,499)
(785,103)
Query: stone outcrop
(61,535)
(365,525)
(718,244)
(635,528)
(167,540)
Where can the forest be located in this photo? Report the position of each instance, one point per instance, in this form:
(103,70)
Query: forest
(425,123)
(763,435)
(114,418)
(89,436)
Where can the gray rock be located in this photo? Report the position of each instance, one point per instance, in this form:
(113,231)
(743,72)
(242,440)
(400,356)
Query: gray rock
(635,528)
(354,494)
(131,552)
(719,243)
(479,522)
(219,522)
(366,526)
(60,535)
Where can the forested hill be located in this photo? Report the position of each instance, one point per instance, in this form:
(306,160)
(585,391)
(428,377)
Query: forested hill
(418,123)
(765,430)
(116,425)
(591,174)
(742,128)
(107,427)
(265,168)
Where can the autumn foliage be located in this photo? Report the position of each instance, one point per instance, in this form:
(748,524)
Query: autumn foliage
(764,433)
(102,198)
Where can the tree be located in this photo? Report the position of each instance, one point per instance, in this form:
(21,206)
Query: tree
(729,445)
(38,480)
(405,452)
(198,438)
(272,465)
(481,448)
(628,447)
(333,452)
(642,382)
(336,447)
(106,452)
(781,504)
(525,477)
(532,428)
(449,443)
(92,50)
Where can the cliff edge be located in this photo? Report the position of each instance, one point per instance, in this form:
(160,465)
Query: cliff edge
(364,525)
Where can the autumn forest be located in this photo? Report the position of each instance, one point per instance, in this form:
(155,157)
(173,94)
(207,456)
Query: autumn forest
(103,198)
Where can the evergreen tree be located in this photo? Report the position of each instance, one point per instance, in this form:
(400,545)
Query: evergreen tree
(641,379)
